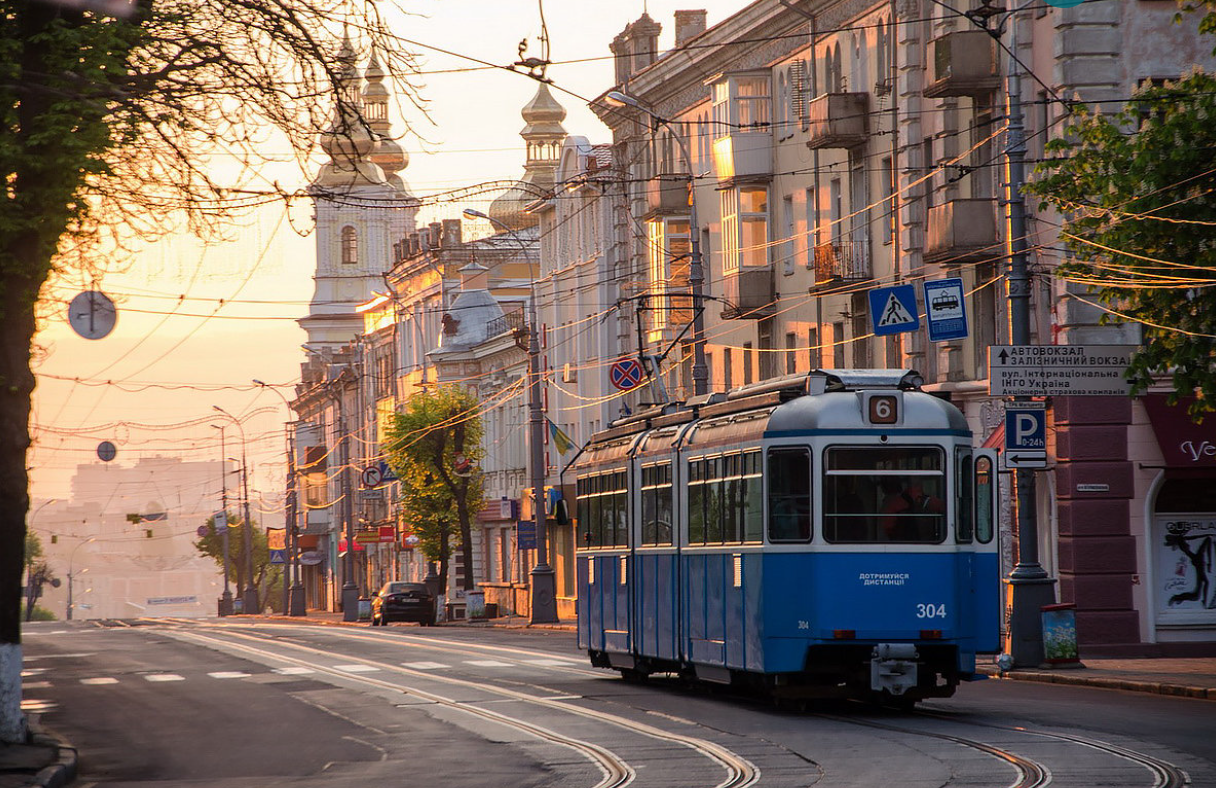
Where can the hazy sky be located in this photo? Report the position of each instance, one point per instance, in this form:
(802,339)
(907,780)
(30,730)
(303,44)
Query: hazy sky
(197,324)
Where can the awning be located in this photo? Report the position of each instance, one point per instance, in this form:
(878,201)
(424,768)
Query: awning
(1184,444)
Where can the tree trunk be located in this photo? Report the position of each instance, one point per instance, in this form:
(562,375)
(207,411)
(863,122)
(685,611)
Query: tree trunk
(466,535)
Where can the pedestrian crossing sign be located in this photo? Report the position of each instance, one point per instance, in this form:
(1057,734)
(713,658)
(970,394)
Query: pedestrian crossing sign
(893,309)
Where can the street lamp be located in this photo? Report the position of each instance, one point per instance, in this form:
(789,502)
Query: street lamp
(293,598)
(222,528)
(696,270)
(250,595)
(544,582)
(72,575)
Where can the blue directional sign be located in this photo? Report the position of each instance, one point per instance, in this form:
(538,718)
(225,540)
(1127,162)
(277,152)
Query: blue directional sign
(525,534)
(893,309)
(278,556)
(386,473)
(945,309)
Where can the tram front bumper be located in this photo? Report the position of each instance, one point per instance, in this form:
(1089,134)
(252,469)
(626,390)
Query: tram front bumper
(893,668)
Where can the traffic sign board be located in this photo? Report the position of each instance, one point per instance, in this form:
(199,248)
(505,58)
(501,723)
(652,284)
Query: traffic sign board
(893,309)
(1025,429)
(278,556)
(386,473)
(945,309)
(626,374)
(1024,459)
(371,476)
(1059,370)
(106,451)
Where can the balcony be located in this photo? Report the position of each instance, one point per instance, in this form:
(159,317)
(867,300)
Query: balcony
(667,195)
(749,294)
(838,120)
(744,154)
(962,63)
(962,231)
(842,263)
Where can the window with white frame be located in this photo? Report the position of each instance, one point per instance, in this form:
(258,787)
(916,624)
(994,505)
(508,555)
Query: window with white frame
(669,258)
(745,222)
(742,103)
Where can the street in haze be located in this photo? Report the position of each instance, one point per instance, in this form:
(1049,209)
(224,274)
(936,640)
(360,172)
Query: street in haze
(235,704)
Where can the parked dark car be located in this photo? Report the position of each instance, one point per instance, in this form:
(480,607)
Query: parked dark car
(400,601)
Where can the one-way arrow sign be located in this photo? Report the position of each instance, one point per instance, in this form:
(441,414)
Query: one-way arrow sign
(1024,459)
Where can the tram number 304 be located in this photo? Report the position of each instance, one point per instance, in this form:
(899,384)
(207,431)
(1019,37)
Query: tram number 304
(931,610)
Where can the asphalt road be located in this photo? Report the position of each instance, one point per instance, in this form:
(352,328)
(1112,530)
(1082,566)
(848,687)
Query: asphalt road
(217,704)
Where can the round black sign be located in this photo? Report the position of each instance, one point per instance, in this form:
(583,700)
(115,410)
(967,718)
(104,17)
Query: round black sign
(106,451)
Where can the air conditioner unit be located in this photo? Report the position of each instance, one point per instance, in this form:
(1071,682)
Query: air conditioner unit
(569,373)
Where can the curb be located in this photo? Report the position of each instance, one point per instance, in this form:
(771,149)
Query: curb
(1107,682)
(63,771)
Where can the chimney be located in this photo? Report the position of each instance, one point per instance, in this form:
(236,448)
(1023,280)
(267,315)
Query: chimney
(689,25)
(635,47)
(451,233)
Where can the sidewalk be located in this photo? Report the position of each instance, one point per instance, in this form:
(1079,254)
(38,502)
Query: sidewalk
(42,761)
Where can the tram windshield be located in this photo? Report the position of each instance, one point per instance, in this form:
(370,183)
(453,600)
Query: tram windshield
(884,494)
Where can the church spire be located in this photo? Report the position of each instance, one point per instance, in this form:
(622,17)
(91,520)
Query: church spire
(543,135)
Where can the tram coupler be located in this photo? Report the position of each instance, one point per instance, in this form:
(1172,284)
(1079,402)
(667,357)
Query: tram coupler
(893,667)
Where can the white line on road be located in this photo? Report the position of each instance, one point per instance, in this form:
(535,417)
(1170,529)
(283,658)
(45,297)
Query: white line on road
(425,665)
(229,674)
(99,680)
(36,685)
(356,668)
(163,677)
(487,663)
(554,663)
(294,671)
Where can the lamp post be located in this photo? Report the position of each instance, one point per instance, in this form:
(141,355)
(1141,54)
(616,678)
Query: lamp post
(293,597)
(544,581)
(696,269)
(222,528)
(250,595)
(72,574)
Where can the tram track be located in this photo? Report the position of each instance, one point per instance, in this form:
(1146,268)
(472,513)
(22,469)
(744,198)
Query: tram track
(617,772)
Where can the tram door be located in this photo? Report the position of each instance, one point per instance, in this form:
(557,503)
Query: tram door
(987,620)
(603,564)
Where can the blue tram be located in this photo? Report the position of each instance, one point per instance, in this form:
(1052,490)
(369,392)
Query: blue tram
(830,534)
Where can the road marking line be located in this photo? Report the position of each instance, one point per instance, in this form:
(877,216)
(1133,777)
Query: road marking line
(356,668)
(425,665)
(99,680)
(557,663)
(35,685)
(229,674)
(163,677)
(32,672)
(293,671)
(487,663)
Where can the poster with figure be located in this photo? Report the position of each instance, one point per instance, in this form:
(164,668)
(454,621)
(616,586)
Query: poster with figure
(1186,567)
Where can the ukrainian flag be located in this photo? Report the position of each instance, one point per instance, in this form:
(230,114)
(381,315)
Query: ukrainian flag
(561,441)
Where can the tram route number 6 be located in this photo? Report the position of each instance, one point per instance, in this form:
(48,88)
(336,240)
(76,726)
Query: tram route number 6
(882,409)
(931,610)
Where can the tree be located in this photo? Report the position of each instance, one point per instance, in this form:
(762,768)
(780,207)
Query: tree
(434,447)
(108,122)
(37,574)
(1138,194)
(267,577)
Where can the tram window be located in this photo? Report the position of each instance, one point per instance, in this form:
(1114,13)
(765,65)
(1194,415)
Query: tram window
(656,504)
(696,502)
(985,489)
(789,495)
(753,497)
(964,495)
(884,494)
(621,497)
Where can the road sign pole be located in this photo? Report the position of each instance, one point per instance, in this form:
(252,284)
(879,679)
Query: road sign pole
(1030,586)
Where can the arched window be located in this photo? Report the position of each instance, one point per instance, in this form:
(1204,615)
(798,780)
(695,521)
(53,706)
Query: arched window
(350,246)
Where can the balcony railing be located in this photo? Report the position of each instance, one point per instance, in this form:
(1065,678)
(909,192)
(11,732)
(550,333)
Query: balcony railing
(515,322)
(962,63)
(838,120)
(842,262)
(962,231)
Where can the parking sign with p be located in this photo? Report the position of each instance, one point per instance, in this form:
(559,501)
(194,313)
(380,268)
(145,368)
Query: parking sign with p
(1025,436)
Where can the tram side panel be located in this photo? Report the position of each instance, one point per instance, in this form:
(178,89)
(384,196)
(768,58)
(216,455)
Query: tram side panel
(656,602)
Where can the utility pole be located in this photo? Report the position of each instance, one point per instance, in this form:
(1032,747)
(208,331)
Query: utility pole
(350,590)
(1030,586)
(222,528)
(543,579)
